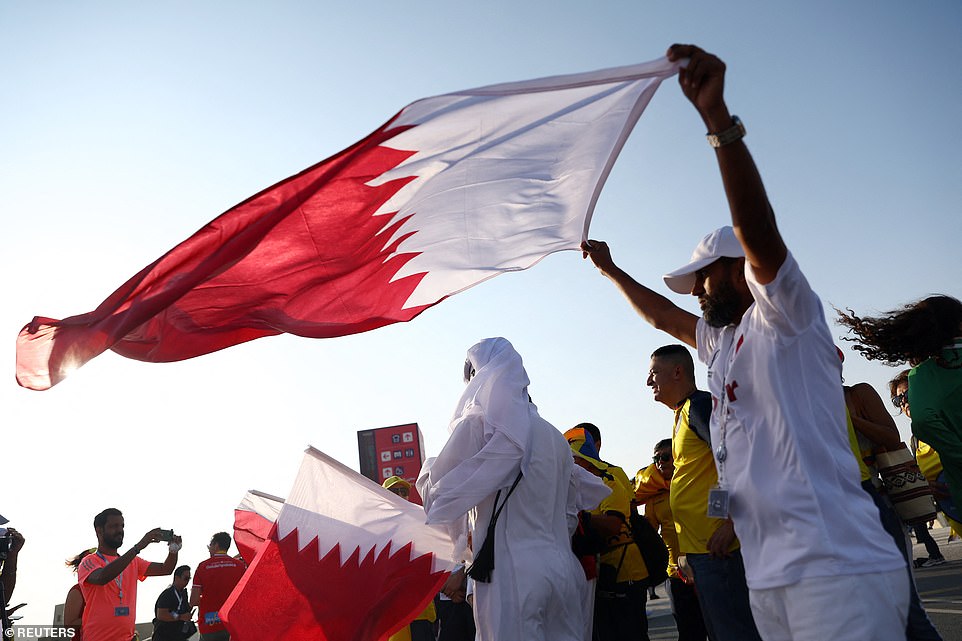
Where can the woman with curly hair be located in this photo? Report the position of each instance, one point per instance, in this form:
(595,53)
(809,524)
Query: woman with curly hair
(931,467)
(928,336)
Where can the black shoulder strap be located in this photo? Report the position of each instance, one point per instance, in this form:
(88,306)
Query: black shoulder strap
(497,512)
(483,564)
(699,415)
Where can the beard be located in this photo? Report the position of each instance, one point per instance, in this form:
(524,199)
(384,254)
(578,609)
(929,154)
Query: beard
(115,542)
(721,308)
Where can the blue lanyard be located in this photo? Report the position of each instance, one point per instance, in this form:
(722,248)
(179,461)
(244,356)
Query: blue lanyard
(118,580)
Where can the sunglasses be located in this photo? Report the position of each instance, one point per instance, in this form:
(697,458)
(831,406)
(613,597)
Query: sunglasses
(900,399)
(661,458)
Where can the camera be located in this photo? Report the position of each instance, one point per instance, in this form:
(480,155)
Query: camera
(166,535)
(4,545)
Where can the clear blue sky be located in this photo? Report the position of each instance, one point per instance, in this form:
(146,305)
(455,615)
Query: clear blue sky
(127,126)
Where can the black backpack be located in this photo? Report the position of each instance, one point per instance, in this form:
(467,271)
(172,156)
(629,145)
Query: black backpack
(653,549)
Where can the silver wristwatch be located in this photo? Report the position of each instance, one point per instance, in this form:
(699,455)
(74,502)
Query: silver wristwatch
(730,135)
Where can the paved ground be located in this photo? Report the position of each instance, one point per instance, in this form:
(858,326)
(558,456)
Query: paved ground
(940,588)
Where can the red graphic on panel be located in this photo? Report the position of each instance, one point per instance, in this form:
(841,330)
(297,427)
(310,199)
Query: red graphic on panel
(392,451)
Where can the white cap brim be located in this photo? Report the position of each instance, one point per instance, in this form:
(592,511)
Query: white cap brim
(682,280)
(721,243)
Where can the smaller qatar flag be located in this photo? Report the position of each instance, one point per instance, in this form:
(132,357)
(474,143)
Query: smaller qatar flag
(450,192)
(346,561)
(253,520)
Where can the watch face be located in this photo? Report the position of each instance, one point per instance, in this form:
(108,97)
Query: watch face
(730,135)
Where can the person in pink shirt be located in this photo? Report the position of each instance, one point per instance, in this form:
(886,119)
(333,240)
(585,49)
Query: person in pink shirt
(108,579)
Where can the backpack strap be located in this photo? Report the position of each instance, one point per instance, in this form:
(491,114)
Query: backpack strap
(483,564)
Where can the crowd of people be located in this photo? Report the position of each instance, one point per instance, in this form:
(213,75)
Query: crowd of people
(777,524)
(102,605)
(767,494)
(709,588)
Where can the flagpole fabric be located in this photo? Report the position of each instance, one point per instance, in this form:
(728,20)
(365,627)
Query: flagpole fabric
(346,560)
(253,520)
(453,190)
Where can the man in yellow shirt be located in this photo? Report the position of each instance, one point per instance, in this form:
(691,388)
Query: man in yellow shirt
(709,544)
(621,591)
(652,489)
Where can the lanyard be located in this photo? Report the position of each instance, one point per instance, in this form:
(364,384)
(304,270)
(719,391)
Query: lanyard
(721,452)
(118,580)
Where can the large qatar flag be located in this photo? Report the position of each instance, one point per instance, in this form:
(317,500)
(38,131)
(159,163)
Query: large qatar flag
(346,561)
(451,191)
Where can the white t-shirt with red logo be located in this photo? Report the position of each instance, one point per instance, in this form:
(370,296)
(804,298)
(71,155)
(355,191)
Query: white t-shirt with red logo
(776,387)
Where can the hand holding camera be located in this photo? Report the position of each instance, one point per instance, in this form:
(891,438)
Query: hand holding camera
(159,534)
(10,542)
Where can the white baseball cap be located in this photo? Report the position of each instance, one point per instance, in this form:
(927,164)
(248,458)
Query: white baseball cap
(721,243)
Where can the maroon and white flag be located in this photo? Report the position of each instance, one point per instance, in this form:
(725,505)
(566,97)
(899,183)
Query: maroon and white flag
(346,560)
(451,191)
(253,520)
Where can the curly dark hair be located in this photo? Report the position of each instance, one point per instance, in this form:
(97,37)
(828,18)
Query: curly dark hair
(900,378)
(911,334)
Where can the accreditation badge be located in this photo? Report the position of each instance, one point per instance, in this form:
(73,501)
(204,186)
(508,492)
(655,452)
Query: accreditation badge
(718,500)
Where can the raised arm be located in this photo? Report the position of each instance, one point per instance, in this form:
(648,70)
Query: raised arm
(9,573)
(653,307)
(168,566)
(106,574)
(703,83)
(870,417)
(449,496)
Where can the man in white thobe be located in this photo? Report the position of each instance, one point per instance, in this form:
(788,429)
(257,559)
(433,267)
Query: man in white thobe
(537,585)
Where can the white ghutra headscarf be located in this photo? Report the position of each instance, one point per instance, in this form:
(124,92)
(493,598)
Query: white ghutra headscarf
(490,432)
(497,389)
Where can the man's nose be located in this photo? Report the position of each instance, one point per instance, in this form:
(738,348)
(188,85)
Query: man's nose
(699,287)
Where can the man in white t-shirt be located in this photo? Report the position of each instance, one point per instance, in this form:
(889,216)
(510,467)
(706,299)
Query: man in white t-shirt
(816,566)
